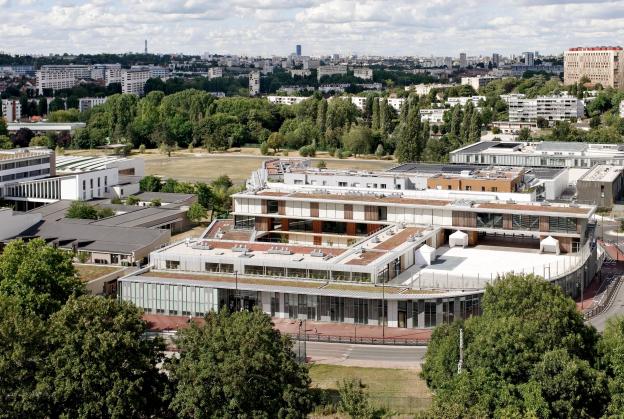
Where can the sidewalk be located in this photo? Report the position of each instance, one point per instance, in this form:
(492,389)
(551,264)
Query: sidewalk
(313,329)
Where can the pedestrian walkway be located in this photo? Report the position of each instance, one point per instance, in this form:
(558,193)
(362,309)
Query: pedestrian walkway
(314,330)
(354,331)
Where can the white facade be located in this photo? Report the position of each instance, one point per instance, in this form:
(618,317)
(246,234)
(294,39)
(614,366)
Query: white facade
(215,72)
(286,100)
(551,108)
(396,103)
(477,82)
(85,186)
(58,77)
(363,73)
(112,75)
(299,72)
(433,116)
(86,103)
(254,83)
(424,89)
(133,80)
(463,100)
(11,110)
(25,164)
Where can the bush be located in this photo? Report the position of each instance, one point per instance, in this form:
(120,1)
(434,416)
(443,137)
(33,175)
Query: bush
(142,148)
(331,151)
(155,202)
(116,200)
(307,151)
(321,164)
(264,148)
(285,153)
(380,151)
(132,200)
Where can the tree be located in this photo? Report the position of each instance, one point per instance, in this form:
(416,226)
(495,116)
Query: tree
(375,114)
(3,127)
(99,363)
(380,152)
(39,141)
(237,365)
(196,212)
(155,202)
(412,139)
(276,141)
(5,142)
(222,181)
(524,135)
(22,350)
(611,350)
(321,116)
(542,122)
(204,195)
(150,183)
(358,140)
(79,209)
(22,137)
(594,122)
(40,276)
(529,354)
(354,400)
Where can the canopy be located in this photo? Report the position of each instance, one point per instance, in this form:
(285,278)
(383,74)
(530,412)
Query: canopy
(424,255)
(459,238)
(550,244)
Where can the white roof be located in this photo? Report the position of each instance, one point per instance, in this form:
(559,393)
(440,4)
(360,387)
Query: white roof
(550,240)
(458,235)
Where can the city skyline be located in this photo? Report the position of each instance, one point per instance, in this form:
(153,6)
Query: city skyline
(273,27)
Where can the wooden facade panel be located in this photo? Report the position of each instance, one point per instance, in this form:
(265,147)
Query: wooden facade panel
(314,209)
(284,224)
(543,224)
(507,223)
(281,207)
(351,229)
(370,213)
(263,206)
(464,219)
(262,223)
(318,240)
(317,227)
(348,211)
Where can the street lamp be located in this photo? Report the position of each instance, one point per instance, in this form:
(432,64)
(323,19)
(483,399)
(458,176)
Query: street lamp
(236,291)
(383,310)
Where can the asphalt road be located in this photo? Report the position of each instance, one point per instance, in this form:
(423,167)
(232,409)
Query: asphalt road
(365,355)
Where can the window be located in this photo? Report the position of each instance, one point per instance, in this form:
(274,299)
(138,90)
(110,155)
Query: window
(494,189)
(430,313)
(524,222)
(562,224)
(382,186)
(272,207)
(342,184)
(487,220)
(84,185)
(468,188)
(172,264)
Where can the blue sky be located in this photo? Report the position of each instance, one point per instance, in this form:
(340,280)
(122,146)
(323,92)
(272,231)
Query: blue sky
(267,27)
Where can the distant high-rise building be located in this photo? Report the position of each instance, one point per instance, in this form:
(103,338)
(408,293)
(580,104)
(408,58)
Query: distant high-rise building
(254,83)
(463,63)
(529,59)
(298,50)
(601,65)
(146,46)
(496,58)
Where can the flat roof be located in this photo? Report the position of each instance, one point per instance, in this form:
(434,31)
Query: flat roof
(602,173)
(87,163)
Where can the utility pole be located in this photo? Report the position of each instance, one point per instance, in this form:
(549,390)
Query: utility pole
(461,351)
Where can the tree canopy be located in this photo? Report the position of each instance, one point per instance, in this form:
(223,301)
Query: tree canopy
(237,365)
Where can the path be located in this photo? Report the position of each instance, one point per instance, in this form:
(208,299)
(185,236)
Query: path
(376,356)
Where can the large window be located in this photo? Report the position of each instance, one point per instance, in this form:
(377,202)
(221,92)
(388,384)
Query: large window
(272,207)
(488,220)
(562,224)
(172,264)
(244,222)
(360,311)
(430,313)
(525,222)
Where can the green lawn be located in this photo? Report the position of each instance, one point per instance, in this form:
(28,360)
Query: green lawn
(90,272)
(399,390)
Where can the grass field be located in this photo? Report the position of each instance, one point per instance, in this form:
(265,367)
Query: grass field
(208,167)
(204,167)
(398,390)
(90,272)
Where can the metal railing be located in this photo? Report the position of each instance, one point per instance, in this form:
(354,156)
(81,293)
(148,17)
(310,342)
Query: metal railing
(606,300)
(313,337)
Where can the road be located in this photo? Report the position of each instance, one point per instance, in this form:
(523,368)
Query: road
(365,355)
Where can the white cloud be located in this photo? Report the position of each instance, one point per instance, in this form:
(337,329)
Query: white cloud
(398,27)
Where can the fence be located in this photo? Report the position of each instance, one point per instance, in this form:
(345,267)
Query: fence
(447,280)
(606,299)
(312,337)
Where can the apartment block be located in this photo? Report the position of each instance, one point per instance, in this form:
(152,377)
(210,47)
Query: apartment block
(86,103)
(601,65)
(254,83)
(363,73)
(11,110)
(330,70)
(56,77)
(477,82)
(286,100)
(551,108)
(133,80)
(215,72)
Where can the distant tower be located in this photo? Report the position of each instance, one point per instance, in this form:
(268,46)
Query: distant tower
(298,50)
(146,46)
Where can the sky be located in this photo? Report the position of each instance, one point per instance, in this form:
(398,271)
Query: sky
(273,27)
